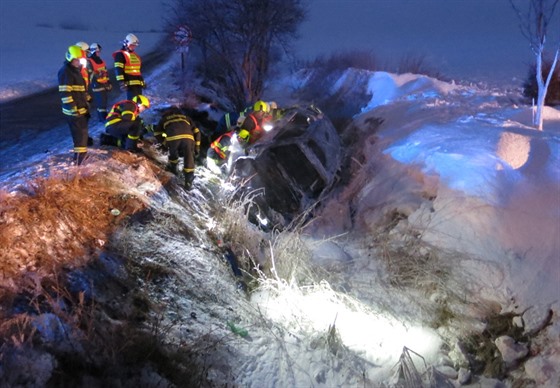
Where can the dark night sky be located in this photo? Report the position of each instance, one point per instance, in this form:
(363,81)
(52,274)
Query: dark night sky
(464,38)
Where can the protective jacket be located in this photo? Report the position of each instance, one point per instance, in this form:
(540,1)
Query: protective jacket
(182,137)
(98,75)
(221,145)
(254,124)
(125,110)
(227,123)
(128,68)
(174,125)
(73,91)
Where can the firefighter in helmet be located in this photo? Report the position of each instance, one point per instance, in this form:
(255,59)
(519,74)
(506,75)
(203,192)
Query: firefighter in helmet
(255,121)
(99,80)
(124,126)
(217,155)
(73,94)
(182,137)
(85,47)
(128,67)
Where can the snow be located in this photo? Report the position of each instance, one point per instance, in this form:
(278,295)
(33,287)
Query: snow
(461,165)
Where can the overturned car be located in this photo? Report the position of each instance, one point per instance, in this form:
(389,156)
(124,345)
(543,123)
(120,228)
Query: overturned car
(291,167)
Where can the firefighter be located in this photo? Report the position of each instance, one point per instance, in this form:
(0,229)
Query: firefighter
(230,122)
(217,156)
(73,94)
(225,150)
(276,113)
(128,67)
(99,80)
(85,47)
(255,121)
(123,126)
(227,123)
(181,137)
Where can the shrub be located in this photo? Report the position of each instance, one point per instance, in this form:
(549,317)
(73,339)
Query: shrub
(530,88)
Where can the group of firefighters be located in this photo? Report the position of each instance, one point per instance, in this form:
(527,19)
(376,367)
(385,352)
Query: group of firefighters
(84,77)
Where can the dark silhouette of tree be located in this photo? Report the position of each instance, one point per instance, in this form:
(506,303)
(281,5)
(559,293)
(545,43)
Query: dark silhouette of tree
(239,41)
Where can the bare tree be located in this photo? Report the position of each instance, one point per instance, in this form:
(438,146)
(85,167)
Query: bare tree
(240,40)
(534,22)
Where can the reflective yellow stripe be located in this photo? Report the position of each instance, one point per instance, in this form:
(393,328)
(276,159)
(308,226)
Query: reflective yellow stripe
(111,122)
(133,137)
(177,137)
(80,150)
(188,170)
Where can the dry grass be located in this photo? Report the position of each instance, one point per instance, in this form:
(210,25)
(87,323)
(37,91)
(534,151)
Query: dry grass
(60,222)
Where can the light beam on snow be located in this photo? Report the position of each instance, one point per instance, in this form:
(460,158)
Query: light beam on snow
(374,335)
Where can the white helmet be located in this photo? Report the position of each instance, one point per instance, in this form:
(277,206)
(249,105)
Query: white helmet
(131,39)
(94,47)
(83,45)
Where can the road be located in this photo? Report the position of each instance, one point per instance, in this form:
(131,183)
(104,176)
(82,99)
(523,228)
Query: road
(41,111)
(34,125)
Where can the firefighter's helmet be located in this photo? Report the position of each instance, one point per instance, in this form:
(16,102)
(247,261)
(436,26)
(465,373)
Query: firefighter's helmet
(94,47)
(131,39)
(74,52)
(83,45)
(141,100)
(261,106)
(243,136)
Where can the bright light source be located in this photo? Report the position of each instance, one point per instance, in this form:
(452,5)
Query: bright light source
(267,127)
(83,62)
(376,335)
(262,219)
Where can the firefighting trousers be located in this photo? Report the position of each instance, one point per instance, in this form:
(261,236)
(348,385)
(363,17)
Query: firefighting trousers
(79,131)
(100,100)
(184,147)
(133,91)
(123,129)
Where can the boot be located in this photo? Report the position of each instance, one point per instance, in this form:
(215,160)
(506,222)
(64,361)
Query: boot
(172,168)
(106,139)
(79,157)
(132,146)
(189,178)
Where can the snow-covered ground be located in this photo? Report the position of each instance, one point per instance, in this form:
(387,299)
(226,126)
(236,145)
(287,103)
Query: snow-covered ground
(450,215)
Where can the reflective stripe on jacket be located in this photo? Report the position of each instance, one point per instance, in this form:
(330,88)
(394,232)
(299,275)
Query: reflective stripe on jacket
(175,126)
(221,145)
(128,68)
(98,73)
(122,111)
(73,90)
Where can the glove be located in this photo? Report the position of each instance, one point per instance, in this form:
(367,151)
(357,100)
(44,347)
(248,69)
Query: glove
(122,86)
(108,86)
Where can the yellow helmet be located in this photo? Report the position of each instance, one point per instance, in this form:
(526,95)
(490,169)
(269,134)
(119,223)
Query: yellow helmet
(141,100)
(74,52)
(261,105)
(243,136)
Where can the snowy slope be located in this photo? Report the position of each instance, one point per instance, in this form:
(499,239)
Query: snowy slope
(443,175)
